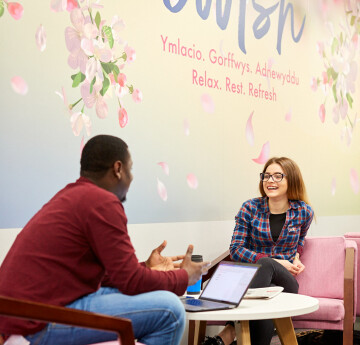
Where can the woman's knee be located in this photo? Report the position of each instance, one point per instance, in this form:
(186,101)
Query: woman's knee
(266,263)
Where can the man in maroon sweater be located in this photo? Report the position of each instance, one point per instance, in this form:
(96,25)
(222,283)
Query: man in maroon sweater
(76,252)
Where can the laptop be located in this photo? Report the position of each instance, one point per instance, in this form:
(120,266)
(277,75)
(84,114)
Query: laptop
(225,289)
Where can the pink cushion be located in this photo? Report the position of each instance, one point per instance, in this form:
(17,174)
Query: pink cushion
(324,260)
(329,310)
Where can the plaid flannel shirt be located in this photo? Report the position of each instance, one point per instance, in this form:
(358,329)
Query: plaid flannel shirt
(252,239)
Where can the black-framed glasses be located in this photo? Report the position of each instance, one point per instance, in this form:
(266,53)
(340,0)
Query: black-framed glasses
(277,177)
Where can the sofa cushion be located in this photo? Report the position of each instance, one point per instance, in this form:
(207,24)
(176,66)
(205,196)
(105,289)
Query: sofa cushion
(319,280)
(329,310)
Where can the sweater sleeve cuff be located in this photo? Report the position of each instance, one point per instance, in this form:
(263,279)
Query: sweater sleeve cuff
(300,250)
(182,282)
(259,256)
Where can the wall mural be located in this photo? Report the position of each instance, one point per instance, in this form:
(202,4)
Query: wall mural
(226,85)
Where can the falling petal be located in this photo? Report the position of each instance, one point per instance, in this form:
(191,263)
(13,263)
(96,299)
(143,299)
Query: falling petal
(288,116)
(354,181)
(123,117)
(15,9)
(19,85)
(264,154)
(165,167)
(186,127)
(322,113)
(207,103)
(333,186)
(249,130)
(137,96)
(82,144)
(58,5)
(313,84)
(192,181)
(161,190)
(40,38)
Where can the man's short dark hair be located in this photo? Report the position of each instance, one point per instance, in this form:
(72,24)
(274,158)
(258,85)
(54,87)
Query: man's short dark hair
(100,153)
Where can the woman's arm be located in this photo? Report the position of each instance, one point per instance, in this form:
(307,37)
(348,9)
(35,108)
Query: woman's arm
(241,237)
(307,214)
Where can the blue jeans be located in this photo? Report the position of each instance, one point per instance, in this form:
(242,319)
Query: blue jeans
(158,318)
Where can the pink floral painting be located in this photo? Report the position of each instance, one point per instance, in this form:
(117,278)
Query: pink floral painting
(99,57)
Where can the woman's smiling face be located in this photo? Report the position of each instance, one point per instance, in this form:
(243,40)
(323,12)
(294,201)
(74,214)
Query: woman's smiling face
(275,190)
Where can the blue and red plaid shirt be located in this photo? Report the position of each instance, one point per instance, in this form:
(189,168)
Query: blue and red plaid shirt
(252,239)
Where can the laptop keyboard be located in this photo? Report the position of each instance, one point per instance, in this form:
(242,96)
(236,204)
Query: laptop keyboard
(196,304)
(193,301)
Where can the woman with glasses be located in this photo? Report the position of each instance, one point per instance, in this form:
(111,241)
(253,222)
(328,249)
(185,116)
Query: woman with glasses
(270,230)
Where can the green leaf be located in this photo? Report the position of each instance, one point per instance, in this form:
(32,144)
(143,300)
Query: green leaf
(92,84)
(107,66)
(97,19)
(77,79)
(108,33)
(331,73)
(334,92)
(106,84)
(131,89)
(335,45)
(116,72)
(352,20)
(2,9)
(349,99)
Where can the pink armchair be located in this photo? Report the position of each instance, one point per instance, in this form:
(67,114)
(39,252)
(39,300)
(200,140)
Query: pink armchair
(330,276)
(355,236)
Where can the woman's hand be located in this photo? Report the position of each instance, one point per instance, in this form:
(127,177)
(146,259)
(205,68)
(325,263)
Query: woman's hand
(294,268)
(299,265)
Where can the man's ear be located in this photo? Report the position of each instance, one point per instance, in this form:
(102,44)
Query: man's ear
(117,168)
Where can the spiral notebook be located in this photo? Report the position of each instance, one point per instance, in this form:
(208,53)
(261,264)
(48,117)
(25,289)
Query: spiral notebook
(225,289)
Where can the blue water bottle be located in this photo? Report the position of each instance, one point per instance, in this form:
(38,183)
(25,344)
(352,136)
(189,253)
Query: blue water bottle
(196,288)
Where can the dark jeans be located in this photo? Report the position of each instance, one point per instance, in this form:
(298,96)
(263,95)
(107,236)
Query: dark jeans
(270,273)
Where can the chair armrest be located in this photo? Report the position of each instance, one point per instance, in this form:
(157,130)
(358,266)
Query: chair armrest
(214,263)
(48,313)
(349,287)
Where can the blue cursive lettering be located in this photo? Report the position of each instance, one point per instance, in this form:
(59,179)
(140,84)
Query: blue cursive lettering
(261,24)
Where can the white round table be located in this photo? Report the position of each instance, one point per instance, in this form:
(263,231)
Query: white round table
(280,309)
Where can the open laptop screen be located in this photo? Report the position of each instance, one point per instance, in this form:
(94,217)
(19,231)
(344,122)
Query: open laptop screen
(229,282)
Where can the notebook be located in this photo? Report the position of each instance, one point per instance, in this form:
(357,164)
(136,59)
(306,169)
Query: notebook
(225,289)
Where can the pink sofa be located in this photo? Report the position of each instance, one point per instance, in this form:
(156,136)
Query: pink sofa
(330,276)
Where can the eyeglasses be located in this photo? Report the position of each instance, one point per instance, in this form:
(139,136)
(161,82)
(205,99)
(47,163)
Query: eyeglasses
(277,177)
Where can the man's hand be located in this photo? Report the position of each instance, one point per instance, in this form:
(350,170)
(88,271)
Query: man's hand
(161,263)
(194,269)
(292,268)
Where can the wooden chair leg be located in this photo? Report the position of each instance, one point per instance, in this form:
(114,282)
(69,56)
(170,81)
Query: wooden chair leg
(285,331)
(197,331)
(242,330)
(348,335)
